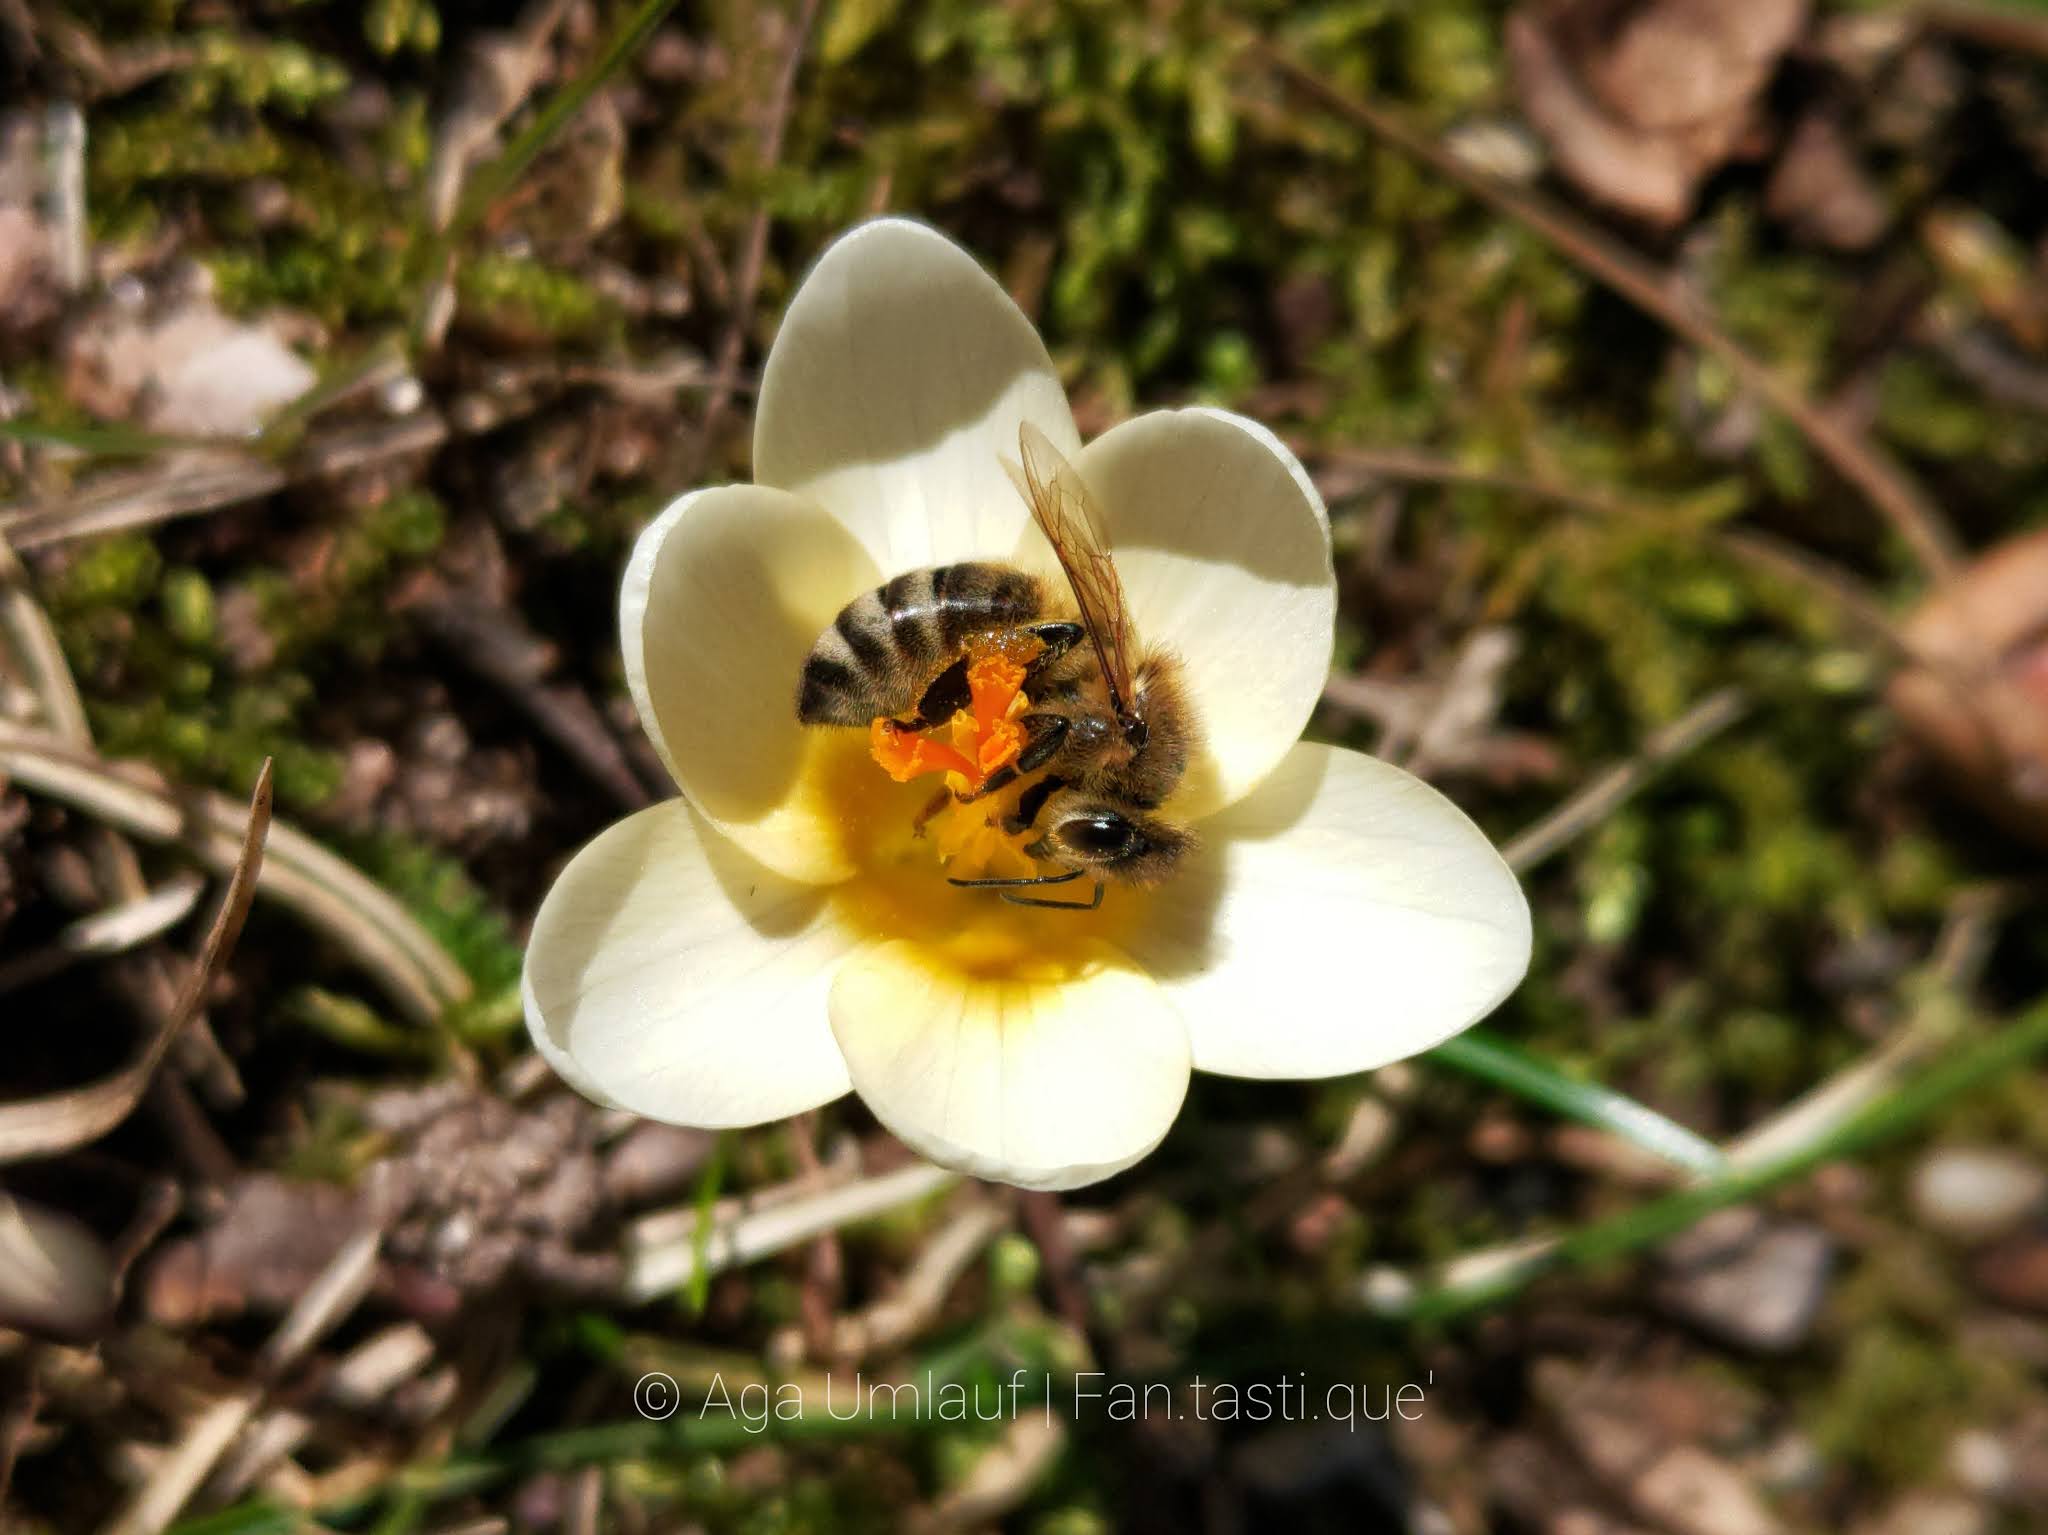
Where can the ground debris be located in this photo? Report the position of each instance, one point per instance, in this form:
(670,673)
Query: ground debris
(471,1191)
(1641,99)
(1821,190)
(1976,695)
(1930,1513)
(1622,1430)
(2014,1272)
(31,287)
(1748,1279)
(1974,1193)
(175,363)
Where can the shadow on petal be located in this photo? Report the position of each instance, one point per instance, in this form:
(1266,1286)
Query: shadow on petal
(726,594)
(670,974)
(1342,916)
(901,372)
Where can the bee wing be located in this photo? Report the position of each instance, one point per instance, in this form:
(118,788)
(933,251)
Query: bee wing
(1066,515)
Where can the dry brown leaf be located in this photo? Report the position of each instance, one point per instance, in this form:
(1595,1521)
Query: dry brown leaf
(1641,99)
(1822,192)
(193,371)
(1977,700)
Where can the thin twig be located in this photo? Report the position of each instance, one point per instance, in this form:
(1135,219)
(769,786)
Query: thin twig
(327,1302)
(1863,464)
(206,480)
(493,643)
(1603,794)
(754,254)
(825,1271)
(1047,1227)
(918,1297)
(1958,959)
(679,1223)
(1007,1473)
(1760,551)
(1994,26)
(658,1269)
(1886,1091)
(116,870)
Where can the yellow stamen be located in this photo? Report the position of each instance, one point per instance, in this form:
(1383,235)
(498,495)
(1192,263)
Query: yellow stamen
(969,837)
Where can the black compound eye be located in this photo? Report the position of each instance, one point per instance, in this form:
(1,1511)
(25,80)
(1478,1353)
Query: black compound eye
(1137,733)
(1103,836)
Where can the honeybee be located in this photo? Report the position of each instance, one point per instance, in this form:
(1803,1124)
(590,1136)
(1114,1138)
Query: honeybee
(1109,723)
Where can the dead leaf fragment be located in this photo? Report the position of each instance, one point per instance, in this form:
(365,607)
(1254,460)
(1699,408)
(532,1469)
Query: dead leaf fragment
(192,372)
(1977,699)
(1822,192)
(1640,100)
(274,1237)
(55,1276)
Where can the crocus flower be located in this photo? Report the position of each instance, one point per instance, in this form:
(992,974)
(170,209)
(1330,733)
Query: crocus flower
(784,932)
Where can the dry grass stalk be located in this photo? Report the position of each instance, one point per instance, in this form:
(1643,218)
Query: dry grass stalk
(62,1121)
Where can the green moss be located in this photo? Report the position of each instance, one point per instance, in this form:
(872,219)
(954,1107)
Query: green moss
(186,602)
(117,572)
(254,74)
(1894,1403)
(522,297)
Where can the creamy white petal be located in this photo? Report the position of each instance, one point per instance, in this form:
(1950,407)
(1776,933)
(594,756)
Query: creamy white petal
(672,975)
(1046,1083)
(725,595)
(901,372)
(1341,916)
(1224,550)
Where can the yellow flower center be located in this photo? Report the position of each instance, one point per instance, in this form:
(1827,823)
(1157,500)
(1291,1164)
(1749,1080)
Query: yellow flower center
(901,847)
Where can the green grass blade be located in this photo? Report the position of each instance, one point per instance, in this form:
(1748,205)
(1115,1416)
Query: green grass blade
(106,441)
(257,1517)
(1911,1104)
(1492,1059)
(495,179)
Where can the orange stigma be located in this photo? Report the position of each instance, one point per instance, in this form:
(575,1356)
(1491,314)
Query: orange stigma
(983,738)
(977,743)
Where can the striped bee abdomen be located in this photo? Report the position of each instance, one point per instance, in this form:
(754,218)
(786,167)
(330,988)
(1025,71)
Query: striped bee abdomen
(886,645)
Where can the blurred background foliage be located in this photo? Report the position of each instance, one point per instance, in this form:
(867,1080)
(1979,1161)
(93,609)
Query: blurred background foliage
(1509,449)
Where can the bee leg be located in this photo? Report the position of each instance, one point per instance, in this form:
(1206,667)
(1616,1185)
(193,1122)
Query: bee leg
(947,694)
(1031,801)
(1044,734)
(1058,636)
(1025,900)
(1001,778)
(933,806)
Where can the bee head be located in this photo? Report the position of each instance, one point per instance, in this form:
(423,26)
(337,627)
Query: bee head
(1116,844)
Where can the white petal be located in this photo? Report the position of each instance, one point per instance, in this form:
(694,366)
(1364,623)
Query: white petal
(1224,550)
(1046,1082)
(901,372)
(671,975)
(725,595)
(1342,916)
